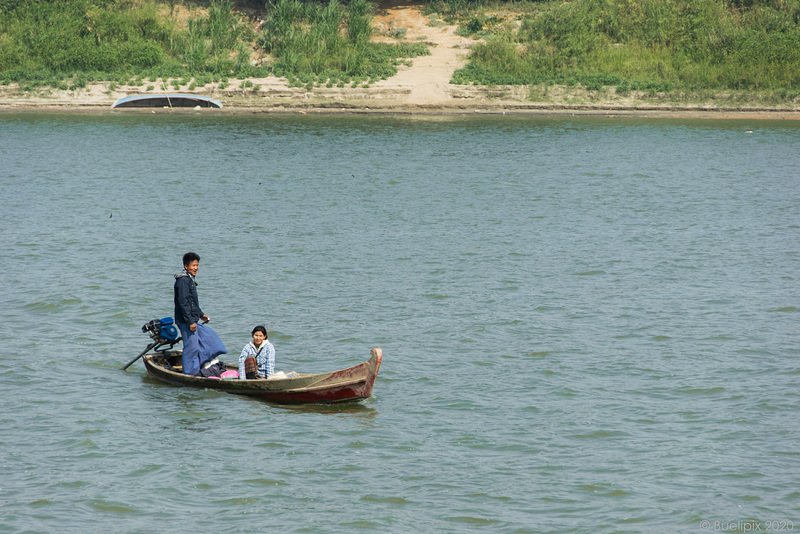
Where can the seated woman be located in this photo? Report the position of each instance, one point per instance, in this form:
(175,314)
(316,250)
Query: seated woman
(258,357)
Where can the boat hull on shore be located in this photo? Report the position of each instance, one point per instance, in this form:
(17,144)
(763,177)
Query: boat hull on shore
(351,384)
(172,100)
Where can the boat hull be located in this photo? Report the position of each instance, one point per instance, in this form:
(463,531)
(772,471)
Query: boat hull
(351,384)
(172,100)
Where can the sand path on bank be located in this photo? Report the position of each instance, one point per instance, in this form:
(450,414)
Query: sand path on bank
(428,77)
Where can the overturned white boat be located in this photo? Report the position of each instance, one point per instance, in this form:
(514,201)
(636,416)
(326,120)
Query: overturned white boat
(172,100)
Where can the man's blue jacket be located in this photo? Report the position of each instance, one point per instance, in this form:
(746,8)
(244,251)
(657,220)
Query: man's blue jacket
(187,306)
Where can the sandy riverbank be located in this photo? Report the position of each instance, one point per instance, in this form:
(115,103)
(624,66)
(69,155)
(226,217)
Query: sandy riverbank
(395,96)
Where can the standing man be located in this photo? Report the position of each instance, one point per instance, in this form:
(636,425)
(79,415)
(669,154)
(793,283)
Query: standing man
(200,343)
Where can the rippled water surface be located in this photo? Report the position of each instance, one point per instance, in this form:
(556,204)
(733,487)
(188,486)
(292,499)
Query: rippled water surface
(588,325)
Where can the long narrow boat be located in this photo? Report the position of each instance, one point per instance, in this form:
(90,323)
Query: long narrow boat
(172,100)
(353,383)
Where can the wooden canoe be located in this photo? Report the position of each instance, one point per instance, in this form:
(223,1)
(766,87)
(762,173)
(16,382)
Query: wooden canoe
(353,383)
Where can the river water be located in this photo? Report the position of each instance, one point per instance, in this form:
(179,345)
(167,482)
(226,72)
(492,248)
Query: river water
(588,324)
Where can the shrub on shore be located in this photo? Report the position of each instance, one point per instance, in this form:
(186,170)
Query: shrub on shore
(633,44)
(78,36)
(116,40)
(45,43)
(309,44)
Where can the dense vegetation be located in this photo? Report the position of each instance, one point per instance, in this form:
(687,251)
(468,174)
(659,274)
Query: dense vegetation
(307,40)
(633,45)
(649,45)
(51,42)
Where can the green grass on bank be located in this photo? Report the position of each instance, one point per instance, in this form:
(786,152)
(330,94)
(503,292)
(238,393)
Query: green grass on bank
(316,42)
(636,45)
(64,43)
(47,42)
(652,46)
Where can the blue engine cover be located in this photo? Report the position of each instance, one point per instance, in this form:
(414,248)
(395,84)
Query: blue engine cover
(169,331)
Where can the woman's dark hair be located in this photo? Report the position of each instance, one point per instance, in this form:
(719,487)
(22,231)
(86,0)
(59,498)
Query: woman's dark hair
(260,329)
(189,257)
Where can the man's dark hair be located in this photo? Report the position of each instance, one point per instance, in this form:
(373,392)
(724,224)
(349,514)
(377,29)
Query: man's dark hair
(189,257)
(260,329)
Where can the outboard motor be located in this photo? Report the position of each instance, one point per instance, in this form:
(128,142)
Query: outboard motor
(162,330)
